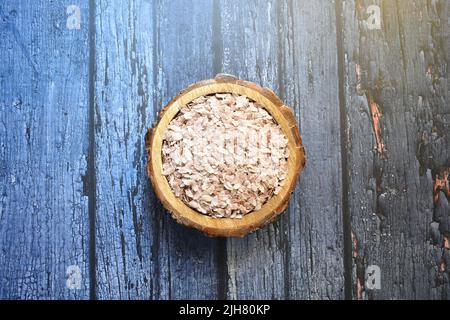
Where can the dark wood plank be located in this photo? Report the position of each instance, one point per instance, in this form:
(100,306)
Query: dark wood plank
(146,52)
(397,99)
(316,266)
(192,262)
(290,46)
(250,52)
(44,221)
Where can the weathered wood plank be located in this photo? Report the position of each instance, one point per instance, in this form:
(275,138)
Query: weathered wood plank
(397,99)
(44,221)
(316,265)
(123,88)
(290,46)
(190,261)
(250,52)
(146,52)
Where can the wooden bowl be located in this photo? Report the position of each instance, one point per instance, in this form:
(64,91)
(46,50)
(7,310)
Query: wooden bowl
(226,227)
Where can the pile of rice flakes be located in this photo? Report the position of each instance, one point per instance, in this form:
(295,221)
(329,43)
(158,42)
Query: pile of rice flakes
(224,155)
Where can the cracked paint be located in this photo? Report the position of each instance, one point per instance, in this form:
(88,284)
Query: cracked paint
(358,262)
(441,183)
(446,243)
(376,117)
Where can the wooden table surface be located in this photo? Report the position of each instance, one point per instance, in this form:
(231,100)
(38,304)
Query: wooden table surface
(81,81)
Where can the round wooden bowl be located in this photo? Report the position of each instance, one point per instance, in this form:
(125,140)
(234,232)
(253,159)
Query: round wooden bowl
(226,227)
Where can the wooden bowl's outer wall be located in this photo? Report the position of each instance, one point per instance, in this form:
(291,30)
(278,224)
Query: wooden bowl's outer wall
(225,227)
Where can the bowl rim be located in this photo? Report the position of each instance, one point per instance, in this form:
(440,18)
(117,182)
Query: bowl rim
(225,227)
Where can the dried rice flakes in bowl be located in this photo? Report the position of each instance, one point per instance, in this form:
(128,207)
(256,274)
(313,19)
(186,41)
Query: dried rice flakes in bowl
(224,155)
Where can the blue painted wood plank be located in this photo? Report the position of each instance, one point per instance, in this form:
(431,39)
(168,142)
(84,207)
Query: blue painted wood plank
(290,47)
(251,50)
(311,84)
(146,52)
(191,262)
(44,221)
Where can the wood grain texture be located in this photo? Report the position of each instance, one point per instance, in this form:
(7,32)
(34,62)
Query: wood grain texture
(310,83)
(44,223)
(276,44)
(192,262)
(397,105)
(142,62)
(124,74)
(372,106)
